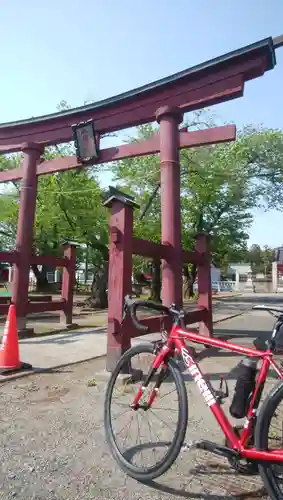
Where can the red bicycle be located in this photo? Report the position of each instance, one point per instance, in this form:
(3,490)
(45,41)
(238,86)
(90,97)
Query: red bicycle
(247,447)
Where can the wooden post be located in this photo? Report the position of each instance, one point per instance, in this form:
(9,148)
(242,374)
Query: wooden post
(24,241)
(204,284)
(169,119)
(68,283)
(119,275)
(274,277)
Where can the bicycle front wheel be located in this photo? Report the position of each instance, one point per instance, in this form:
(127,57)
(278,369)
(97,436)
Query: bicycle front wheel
(268,436)
(158,430)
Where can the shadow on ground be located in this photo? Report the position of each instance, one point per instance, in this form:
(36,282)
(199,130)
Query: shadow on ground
(67,338)
(253,299)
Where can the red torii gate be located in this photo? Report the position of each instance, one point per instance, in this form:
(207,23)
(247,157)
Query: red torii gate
(166,100)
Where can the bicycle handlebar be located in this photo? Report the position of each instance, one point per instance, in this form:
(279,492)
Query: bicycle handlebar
(133,305)
(268,308)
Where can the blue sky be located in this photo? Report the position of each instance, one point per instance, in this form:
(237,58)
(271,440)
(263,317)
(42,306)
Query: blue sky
(77,51)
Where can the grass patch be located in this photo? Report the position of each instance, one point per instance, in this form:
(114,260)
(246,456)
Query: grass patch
(91,383)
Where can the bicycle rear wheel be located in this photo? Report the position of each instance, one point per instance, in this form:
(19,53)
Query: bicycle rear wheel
(268,435)
(159,413)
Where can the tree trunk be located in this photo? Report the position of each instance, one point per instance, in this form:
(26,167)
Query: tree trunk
(190,277)
(155,291)
(41,278)
(98,298)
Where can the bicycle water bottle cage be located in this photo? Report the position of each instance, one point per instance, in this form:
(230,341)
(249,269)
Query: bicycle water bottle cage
(223,391)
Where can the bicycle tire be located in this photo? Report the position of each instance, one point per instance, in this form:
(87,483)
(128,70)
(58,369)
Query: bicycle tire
(266,413)
(147,474)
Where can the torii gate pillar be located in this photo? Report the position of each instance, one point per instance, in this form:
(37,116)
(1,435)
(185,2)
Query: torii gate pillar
(169,119)
(24,241)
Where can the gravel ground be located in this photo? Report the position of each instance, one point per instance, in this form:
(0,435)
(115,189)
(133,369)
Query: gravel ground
(52,445)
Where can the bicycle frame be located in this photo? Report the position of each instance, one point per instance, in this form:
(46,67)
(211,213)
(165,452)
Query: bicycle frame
(238,443)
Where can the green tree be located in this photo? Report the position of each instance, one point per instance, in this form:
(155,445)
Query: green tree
(140,178)
(217,200)
(260,259)
(221,185)
(267,259)
(260,151)
(69,206)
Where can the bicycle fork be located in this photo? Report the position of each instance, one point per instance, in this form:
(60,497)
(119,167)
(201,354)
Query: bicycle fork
(161,376)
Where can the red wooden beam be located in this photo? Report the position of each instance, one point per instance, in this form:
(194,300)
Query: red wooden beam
(215,81)
(147,147)
(11,175)
(195,316)
(150,249)
(5,299)
(230,88)
(49,260)
(207,136)
(10,257)
(153,250)
(155,322)
(40,298)
(187,101)
(4,308)
(193,257)
(37,307)
(13,257)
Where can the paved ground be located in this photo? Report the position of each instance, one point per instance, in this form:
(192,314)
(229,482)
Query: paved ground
(52,437)
(43,323)
(78,345)
(83,344)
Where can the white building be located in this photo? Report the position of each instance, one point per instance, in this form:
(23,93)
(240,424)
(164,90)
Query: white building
(243,270)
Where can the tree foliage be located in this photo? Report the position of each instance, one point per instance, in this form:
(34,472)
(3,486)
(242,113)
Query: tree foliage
(69,207)
(260,259)
(220,186)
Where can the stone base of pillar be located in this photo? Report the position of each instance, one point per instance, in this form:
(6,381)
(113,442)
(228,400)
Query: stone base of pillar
(66,322)
(26,333)
(70,326)
(21,323)
(23,331)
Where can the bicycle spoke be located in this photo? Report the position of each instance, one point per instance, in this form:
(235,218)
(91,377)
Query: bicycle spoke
(139,435)
(128,423)
(161,419)
(123,413)
(167,394)
(164,409)
(125,439)
(149,428)
(144,442)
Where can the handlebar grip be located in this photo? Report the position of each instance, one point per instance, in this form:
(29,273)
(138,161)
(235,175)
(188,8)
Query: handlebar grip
(136,323)
(133,305)
(155,306)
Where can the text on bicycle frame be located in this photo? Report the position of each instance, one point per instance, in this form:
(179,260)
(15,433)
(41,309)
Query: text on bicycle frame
(198,378)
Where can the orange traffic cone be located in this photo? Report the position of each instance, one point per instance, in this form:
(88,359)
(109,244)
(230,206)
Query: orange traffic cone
(9,352)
